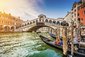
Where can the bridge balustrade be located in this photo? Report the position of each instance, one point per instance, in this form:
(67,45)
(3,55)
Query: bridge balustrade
(36,22)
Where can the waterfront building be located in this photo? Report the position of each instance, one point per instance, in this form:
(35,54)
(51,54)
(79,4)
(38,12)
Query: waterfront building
(81,13)
(68,18)
(78,12)
(9,23)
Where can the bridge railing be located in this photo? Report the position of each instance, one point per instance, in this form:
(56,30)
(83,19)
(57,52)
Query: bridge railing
(26,26)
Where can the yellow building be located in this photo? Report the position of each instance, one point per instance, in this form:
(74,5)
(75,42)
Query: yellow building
(9,23)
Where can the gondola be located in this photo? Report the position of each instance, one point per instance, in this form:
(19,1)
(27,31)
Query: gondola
(52,35)
(49,42)
(38,32)
(80,53)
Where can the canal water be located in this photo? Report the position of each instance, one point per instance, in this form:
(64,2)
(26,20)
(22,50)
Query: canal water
(25,45)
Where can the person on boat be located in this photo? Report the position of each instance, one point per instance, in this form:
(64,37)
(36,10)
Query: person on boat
(59,42)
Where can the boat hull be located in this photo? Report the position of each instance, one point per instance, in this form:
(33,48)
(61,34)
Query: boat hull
(50,43)
(52,35)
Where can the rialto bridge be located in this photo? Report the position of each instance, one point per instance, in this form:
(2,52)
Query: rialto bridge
(41,21)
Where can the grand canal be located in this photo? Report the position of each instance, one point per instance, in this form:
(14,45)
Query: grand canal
(25,45)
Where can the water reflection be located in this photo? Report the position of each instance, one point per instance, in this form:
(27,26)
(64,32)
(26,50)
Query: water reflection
(24,45)
(46,53)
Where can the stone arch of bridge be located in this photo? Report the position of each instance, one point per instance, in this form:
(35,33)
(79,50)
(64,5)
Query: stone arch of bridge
(35,28)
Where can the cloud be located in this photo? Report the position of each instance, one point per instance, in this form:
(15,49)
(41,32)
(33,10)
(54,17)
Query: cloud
(26,9)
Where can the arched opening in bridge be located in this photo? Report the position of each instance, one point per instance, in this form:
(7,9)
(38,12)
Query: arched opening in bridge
(6,28)
(33,21)
(46,20)
(28,23)
(58,23)
(54,22)
(12,28)
(40,18)
(50,21)
(46,28)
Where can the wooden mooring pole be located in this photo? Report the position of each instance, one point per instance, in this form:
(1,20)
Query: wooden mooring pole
(65,45)
(72,45)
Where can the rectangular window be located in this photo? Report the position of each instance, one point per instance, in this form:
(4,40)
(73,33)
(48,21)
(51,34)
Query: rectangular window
(78,14)
(84,12)
(82,19)
(75,14)
(79,19)
(78,8)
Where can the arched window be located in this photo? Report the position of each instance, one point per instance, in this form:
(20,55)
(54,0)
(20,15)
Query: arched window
(30,22)
(64,23)
(79,19)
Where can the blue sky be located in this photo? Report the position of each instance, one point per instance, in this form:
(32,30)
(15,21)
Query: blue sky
(30,9)
(57,8)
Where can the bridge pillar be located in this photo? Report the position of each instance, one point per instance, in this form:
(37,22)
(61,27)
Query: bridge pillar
(65,45)
(48,29)
(53,31)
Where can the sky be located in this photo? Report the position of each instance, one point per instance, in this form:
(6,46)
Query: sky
(30,9)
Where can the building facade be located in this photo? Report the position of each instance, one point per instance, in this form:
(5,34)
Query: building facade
(81,13)
(78,12)
(68,18)
(9,23)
